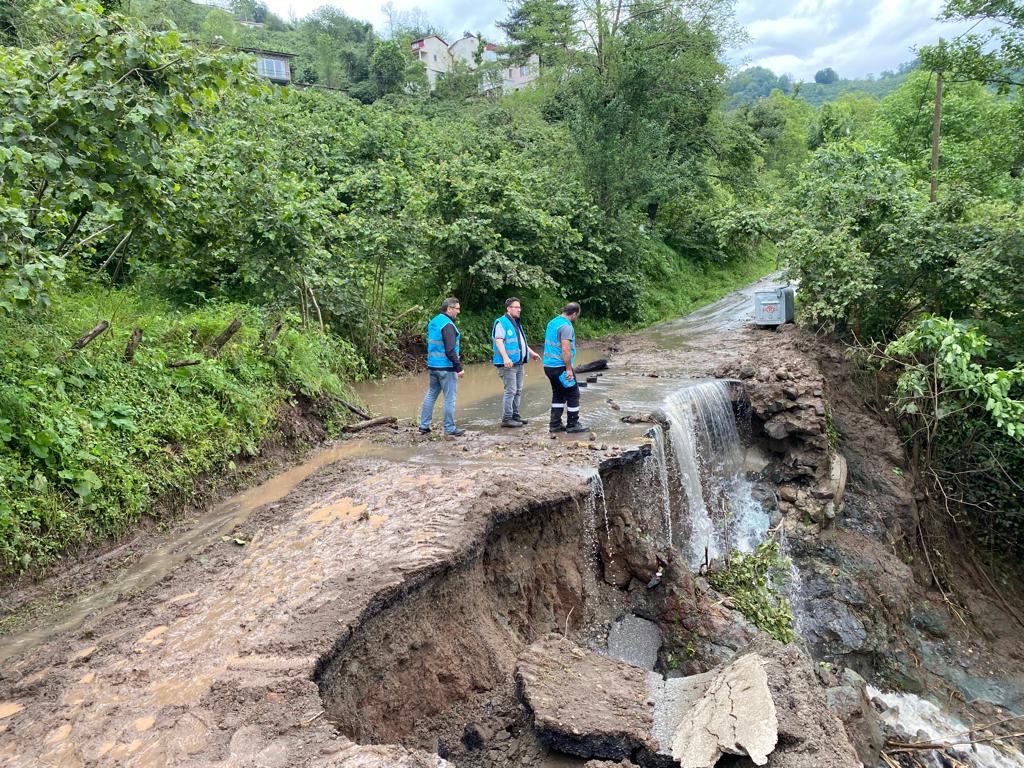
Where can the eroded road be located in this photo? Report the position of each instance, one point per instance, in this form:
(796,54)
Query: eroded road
(208,649)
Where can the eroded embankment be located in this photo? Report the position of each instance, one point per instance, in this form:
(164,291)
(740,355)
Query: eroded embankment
(419,669)
(216,663)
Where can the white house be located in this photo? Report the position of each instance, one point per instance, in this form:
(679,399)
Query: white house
(439,57)
(433,52)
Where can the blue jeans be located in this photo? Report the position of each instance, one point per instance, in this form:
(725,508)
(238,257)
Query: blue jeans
(440,381)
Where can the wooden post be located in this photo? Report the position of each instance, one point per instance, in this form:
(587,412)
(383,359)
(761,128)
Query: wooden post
(272,335)
(936,126)
(224,337)
(101,326)
(133,344)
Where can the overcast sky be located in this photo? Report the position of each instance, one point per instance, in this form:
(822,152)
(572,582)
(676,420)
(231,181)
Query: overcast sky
(796,37)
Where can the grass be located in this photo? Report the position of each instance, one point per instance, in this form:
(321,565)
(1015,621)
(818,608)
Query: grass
(88,441)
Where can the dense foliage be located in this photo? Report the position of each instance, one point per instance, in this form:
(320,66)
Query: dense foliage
(930,289)
(152,181)
(88,440)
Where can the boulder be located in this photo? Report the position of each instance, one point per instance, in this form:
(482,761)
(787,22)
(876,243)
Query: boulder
(848,698)
(583,703)
(635,641)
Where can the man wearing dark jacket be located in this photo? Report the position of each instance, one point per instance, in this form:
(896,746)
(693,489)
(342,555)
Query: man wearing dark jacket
(443,366)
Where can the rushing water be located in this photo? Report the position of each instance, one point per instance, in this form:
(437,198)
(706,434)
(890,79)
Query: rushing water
(661,468)
(721,510)
(923,720)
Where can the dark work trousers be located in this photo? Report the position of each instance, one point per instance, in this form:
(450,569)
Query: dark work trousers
(562,398)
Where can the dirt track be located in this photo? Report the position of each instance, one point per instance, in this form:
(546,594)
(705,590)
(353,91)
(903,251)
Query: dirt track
(231,658)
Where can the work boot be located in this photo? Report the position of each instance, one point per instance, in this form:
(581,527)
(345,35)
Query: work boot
(512,423)
(577,427)
(456,432)
(520,419)
(424,430)
(556,428)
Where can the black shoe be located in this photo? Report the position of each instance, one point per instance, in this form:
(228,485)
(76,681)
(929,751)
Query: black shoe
(456,433)
(520,419)
(577,428)
(424,430)
(512,423)
(556,428)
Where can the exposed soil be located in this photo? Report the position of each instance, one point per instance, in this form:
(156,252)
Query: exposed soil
(369,610)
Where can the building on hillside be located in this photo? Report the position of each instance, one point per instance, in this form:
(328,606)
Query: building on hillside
(440,58)
(276,66)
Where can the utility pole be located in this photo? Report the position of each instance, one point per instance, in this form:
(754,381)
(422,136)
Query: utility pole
(936,127)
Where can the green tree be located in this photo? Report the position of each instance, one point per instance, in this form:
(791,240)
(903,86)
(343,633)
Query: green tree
(826,76)
(982,141)
(86,120)
(639,96)
(546,28)
(387,68)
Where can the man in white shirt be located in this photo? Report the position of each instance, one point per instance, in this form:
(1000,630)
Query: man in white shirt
(511,353)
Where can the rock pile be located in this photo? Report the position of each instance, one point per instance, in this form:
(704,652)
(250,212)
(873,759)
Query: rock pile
(788,404)
(765,706)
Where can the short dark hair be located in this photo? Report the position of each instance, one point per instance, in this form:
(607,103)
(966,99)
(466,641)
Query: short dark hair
(572,308)
(510,301)
(451,301)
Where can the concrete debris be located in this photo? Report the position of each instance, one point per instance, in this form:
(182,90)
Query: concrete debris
(735,716)
(583,703)
(673,698)
(635,641)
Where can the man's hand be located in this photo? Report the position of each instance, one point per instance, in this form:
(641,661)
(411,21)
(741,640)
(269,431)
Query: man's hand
(534,355)
(569,375)
(460,374)
(508,362)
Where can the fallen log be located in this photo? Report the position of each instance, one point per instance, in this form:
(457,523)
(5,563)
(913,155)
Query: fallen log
(133,345)
(359,426)
(183,363)
(224,337)
(88,338)
(596,365)
(355,409)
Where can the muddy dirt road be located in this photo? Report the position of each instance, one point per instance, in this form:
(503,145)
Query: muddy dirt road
(360,609)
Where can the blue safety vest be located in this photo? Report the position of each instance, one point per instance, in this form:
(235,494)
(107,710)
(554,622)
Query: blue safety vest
(552,346)
(436,357)
(515,353)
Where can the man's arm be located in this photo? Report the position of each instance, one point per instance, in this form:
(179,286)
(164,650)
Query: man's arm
(567,359)
(448,336)
(500,344)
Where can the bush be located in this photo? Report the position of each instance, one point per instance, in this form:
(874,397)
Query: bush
(751,581)
(88,441)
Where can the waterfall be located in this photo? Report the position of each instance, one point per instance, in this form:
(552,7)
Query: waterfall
(661,466)
(723,513)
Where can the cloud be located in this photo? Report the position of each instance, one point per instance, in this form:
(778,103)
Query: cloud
(796,37)
(853,37)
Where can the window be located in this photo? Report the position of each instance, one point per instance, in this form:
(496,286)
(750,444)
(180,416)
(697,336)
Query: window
(524,71)
(272,68)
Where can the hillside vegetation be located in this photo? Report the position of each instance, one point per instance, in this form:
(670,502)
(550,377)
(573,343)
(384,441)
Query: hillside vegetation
(151,181)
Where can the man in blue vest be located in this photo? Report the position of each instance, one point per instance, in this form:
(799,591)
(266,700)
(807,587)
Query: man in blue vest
(559,357)
(444,367)
(508,342)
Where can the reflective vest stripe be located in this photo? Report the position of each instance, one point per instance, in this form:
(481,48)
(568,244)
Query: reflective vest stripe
(553,347)
(436,356)
(515,353)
